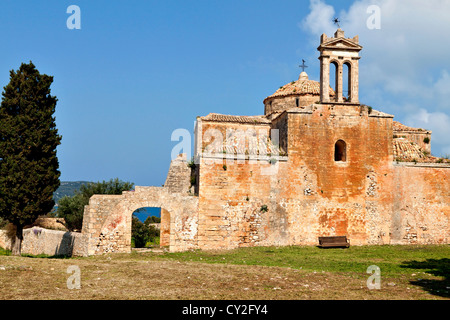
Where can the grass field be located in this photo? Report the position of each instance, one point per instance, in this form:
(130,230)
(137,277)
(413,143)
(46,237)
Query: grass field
(407,272)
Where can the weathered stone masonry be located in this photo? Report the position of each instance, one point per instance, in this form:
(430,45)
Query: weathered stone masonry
(336,172)
(107,218)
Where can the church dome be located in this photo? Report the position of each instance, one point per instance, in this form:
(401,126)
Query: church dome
(294,94)
(302,86)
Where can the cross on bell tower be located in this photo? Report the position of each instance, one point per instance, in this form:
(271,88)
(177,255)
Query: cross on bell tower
(337,22)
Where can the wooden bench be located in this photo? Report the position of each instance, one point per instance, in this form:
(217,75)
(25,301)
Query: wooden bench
(334,242)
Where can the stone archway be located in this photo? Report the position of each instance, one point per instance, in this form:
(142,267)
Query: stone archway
(107,219)
(163,226)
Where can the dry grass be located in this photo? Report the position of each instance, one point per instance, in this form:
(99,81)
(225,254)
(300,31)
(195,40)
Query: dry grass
(158,276)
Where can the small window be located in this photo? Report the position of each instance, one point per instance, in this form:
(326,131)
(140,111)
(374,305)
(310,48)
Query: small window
(340,151)
(296,102)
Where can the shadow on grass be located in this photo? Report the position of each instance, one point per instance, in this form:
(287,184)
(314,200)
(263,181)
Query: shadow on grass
(436,267)
(46,256)
(6,252)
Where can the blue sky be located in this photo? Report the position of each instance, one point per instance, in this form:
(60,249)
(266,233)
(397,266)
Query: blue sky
(138,70)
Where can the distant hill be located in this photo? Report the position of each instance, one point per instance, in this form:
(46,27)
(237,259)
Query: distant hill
(67,188)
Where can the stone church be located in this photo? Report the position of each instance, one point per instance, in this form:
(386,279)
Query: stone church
(316,163)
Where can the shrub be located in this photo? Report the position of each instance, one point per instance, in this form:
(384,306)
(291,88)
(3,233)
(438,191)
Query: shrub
(369,108)
(141,233)
(3,222)
(152,219)
(191,164)
(72,208)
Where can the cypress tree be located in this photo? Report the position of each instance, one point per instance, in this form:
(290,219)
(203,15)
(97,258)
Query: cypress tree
(29,166)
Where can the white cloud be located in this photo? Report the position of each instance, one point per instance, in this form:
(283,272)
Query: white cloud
(404,66)
(411,44)
(438,123)
(441,90)
(320,19)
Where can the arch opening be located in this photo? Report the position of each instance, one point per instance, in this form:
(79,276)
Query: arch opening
(150,227)
(334,74)
(340,151)
(347,82)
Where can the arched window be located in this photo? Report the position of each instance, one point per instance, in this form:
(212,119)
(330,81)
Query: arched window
(340,151)
(347,89)
(334,73)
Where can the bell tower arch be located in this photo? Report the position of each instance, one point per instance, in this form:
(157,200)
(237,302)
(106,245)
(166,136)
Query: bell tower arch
(341,52)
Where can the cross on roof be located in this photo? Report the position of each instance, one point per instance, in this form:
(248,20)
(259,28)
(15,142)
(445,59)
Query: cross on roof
(303,66)
(336,22)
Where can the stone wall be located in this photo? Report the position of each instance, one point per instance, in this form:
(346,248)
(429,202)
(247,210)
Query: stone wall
(246,199)
(50,242)
(178,178)
(327,197)
(222,137)
(107,218)
(309,194)
(421,208)
(282,103)
(235,204)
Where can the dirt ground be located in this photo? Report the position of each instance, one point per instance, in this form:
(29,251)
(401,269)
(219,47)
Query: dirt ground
(145,276)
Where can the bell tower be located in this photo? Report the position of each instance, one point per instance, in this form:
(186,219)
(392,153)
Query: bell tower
(340,52)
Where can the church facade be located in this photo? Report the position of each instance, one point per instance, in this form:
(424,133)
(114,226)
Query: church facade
(316,163)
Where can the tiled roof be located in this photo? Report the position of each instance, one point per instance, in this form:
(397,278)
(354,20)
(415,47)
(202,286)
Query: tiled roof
(239,119)
(407,151)
(300,87)
(397,126)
